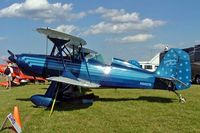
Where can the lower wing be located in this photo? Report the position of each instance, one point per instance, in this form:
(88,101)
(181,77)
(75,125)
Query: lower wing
(77,82)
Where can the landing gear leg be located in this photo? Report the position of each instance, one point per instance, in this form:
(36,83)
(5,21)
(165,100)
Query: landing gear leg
(181,99)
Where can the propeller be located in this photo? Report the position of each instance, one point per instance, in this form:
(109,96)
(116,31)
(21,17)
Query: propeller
(11,53)
(12,56)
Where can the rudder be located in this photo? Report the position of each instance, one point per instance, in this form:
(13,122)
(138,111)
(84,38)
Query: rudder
(176,67)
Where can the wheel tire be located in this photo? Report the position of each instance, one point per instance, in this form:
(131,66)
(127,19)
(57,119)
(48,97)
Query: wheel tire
(197,79)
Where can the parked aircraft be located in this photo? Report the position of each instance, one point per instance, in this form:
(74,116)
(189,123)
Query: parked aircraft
(72,67)
(18,76)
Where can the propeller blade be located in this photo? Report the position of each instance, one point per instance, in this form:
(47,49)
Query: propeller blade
(11,53)
(12,57)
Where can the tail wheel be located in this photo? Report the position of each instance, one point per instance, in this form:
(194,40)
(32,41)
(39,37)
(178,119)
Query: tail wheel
(197,79)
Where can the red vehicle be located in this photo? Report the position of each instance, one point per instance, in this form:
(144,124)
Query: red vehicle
(18,76)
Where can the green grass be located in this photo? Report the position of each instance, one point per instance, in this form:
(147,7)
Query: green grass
(116,111)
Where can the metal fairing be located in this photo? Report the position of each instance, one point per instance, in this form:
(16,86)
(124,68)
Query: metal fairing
(123,75)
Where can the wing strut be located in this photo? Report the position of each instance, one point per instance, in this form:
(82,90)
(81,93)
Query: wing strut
(86,65)
(54,101)
(60,52)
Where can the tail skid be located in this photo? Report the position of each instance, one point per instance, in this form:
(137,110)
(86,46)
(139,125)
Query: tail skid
(181,99)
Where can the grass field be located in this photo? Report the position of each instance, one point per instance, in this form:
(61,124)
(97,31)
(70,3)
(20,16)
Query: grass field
(116,111)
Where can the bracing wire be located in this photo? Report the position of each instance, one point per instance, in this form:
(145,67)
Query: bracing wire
(47,45)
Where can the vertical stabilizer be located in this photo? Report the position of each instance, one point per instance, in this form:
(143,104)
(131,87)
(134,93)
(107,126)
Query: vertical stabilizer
(176,67)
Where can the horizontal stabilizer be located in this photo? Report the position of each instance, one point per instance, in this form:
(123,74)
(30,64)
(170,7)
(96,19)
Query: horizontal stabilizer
(179,81)
(175,80)
(78,82)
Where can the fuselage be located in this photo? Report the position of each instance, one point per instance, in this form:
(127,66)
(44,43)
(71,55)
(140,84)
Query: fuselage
(119,74)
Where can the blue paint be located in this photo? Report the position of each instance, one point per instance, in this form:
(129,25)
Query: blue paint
(175,68)
(119,74)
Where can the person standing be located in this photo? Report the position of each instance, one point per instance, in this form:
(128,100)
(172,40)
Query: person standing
(9,73)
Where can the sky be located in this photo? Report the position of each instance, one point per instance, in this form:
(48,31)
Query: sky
(128,29)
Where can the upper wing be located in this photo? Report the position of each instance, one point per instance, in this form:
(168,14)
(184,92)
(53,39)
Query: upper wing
(77,82)
(72,40)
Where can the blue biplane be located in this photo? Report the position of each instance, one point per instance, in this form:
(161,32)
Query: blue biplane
(72,68)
